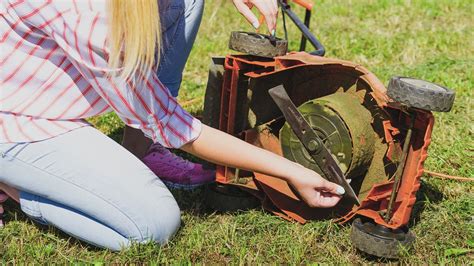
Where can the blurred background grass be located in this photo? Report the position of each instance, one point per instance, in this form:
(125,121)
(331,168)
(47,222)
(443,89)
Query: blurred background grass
(427,39)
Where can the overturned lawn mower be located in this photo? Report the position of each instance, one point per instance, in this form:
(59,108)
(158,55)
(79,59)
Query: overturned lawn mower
(352,128)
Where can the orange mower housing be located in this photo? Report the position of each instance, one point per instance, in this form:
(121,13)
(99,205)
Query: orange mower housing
(244,83)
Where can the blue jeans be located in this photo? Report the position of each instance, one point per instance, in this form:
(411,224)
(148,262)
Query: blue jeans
(180,23)
(92,188)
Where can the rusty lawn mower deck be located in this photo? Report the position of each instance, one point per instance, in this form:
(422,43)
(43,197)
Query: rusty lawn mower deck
(378,136)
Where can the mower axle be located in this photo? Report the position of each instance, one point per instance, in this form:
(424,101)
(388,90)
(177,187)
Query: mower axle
(401,166)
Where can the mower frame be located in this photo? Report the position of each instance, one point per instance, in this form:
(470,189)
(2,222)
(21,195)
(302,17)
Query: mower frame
(237,101)
(242,70)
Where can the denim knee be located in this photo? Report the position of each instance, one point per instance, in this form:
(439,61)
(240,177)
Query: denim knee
(158,224)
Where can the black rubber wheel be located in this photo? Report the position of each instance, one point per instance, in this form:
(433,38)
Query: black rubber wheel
(257,44)
(226,198)
(380,241)
(421,94)
(212,98)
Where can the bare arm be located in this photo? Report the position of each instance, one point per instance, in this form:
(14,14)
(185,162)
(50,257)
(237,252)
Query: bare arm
(221,148)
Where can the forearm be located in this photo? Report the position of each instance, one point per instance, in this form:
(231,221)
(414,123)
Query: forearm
(221,148)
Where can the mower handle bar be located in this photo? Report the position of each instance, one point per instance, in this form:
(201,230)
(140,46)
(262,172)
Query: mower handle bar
(303,27)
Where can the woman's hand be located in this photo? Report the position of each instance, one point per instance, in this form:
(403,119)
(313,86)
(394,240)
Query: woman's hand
(316,191)
(268,8)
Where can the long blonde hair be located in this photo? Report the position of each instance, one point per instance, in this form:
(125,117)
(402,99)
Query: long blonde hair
(134,36)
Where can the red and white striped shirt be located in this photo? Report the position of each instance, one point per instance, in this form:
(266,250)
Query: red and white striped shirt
(53,75)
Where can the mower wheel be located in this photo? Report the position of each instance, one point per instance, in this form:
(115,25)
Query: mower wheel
(421,94)
(226,198)
(212,98)
(380,241)
(257,44)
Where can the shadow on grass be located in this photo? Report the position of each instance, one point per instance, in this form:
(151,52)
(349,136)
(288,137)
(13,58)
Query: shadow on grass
(117,134)
(14,213)
(192,201)
(427,194)
(375,259)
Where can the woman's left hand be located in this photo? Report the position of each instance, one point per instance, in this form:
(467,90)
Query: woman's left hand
(268,8)
(316,191)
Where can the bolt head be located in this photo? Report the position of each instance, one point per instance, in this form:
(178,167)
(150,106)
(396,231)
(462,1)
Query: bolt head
(313,145)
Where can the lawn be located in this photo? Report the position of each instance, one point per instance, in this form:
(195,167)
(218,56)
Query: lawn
(428,39)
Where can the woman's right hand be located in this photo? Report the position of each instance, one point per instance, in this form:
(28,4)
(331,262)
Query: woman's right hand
(316,191)
(268,8)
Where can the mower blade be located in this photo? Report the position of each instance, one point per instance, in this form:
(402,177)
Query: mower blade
(311,141)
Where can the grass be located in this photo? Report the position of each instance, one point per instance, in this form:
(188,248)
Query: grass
(428,39)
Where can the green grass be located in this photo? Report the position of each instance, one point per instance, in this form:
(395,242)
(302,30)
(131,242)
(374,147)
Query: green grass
(428,39)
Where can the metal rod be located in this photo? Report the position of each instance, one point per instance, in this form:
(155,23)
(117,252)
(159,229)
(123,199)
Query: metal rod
(237,175)
(400,168)
(320,50)
(284,25)
(307,17)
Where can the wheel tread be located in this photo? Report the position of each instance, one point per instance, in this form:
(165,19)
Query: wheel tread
(250,44)
(376,246)
(419,97)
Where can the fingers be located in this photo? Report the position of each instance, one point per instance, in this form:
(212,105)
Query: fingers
(244,9)
(326,195)
(269,9)
(316,191)
(275,6)
(322,199)
(332,188)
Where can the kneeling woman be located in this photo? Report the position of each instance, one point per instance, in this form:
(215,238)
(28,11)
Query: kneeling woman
(63,62)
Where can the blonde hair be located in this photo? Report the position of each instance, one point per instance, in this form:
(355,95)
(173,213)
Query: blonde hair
(134,36)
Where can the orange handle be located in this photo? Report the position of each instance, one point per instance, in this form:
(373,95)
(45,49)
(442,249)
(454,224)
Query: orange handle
(303,3)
